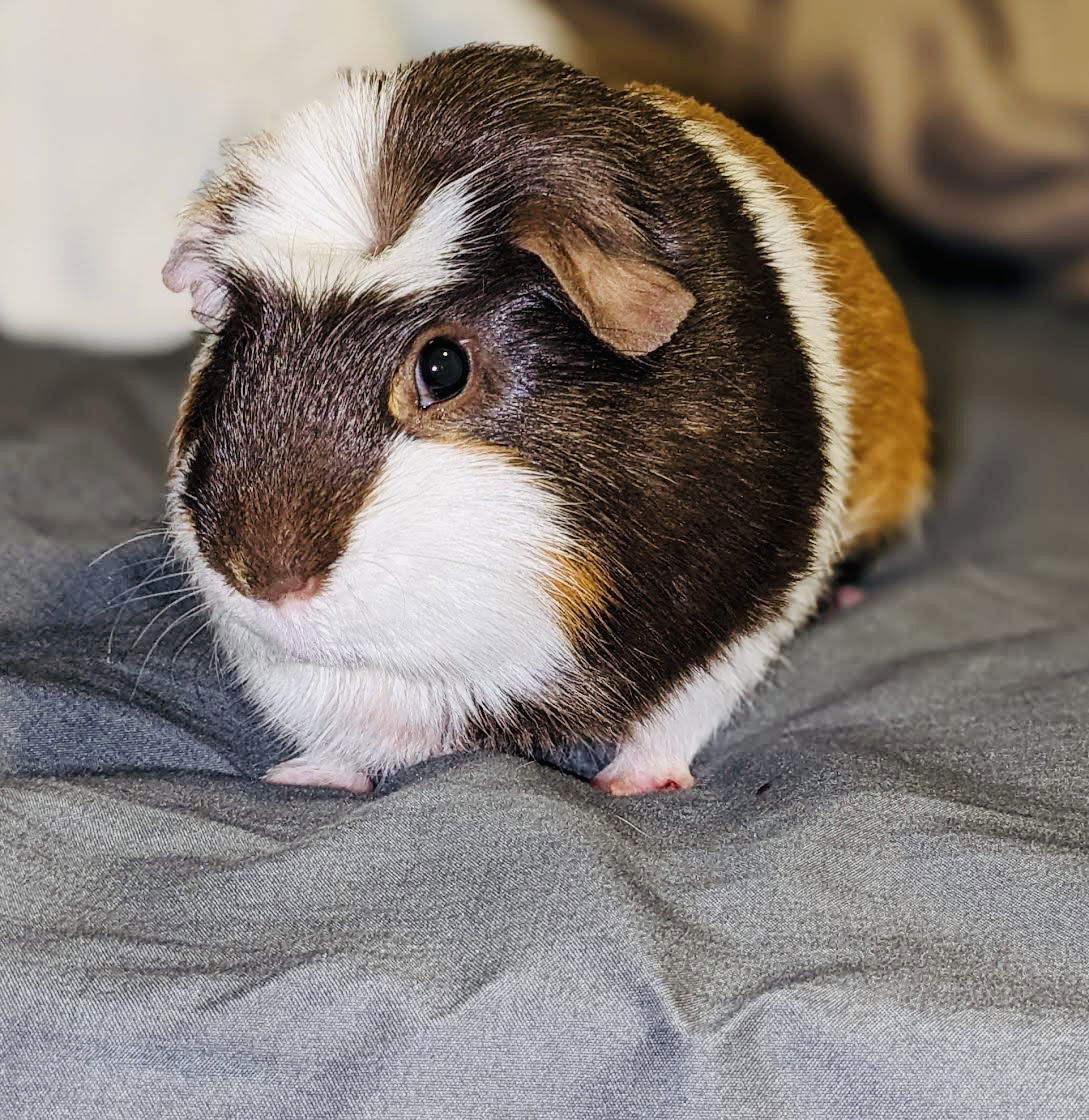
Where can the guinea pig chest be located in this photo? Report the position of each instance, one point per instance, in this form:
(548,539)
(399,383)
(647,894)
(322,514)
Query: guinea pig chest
(528,411)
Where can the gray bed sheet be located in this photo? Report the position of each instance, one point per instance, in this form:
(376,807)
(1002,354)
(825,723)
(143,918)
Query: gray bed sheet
(874,904)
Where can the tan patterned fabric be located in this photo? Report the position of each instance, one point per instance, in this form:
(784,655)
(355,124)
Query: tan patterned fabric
(971,116)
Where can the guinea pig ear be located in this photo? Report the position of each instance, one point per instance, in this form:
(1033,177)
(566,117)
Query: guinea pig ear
(630,303)
(190,268)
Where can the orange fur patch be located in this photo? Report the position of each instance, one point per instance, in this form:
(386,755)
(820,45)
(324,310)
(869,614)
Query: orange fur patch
(238,570)
(580,589)
(890,431)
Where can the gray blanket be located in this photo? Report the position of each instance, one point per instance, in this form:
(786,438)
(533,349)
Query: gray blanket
(874,904)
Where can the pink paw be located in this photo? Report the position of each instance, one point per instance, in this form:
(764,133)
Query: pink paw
(848,595)
(301,772)
(624,778)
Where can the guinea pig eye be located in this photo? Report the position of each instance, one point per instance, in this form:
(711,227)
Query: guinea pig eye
(442,370)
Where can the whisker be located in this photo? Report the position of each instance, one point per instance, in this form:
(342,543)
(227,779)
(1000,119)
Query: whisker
(153,576)
(119,597)
(149,595)
(140,636)
(121,610)
(162,562)
(177,653)
(215,657)
(154,645)
(392,575)
(131,540)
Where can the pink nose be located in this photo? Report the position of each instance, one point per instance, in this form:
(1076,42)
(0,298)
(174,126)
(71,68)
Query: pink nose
(289,587)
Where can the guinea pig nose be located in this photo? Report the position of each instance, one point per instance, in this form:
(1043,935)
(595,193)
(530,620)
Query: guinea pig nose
(288,587)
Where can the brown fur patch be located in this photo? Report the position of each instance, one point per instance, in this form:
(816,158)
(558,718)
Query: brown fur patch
(890,480)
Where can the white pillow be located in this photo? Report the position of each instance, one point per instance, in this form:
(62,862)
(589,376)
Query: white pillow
(111,113)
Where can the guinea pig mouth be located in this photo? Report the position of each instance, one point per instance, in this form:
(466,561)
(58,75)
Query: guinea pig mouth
(287,632)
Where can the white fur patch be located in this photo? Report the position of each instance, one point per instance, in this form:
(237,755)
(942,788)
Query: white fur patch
(422,259)
(309,221)
(438,608)
(681,726)
(785,241)
(315,174)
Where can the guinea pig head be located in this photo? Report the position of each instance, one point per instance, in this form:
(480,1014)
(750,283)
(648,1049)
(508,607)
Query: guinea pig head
(416,294)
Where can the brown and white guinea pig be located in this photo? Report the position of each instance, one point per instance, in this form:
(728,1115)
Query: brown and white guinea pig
(530,411)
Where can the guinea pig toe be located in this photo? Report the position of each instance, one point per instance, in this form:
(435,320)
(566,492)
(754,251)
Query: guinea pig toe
(848,595)
(631,778)
(306,772)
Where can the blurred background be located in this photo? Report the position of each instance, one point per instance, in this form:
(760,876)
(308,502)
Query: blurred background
(959,127)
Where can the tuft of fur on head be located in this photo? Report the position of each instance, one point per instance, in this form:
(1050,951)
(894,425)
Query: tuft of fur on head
(304,207)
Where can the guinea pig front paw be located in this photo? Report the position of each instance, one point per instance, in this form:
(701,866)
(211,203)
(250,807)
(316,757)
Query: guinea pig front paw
(628,776)
(314,772)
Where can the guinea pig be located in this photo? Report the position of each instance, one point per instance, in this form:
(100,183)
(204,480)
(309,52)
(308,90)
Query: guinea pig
(530,411)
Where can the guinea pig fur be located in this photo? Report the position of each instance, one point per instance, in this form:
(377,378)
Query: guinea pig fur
(529,412)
